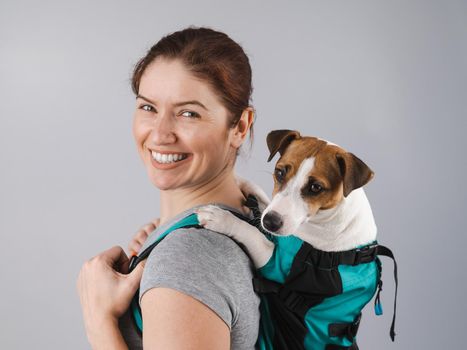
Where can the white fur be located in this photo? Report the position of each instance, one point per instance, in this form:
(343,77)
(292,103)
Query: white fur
(328,142)
(346,226)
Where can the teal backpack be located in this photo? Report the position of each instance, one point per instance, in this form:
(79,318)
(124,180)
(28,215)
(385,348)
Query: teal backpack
(310,299)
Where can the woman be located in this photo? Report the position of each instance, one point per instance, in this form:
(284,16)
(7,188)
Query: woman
(192,115)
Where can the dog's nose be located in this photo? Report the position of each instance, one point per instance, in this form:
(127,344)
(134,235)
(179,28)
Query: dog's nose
(272,221)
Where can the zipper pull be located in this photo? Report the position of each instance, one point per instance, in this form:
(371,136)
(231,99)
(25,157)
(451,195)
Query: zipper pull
(378,306)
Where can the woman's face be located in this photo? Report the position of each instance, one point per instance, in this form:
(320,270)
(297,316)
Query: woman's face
(180,127)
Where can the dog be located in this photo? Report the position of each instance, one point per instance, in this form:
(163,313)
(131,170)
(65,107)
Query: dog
(319,263)
(317,197)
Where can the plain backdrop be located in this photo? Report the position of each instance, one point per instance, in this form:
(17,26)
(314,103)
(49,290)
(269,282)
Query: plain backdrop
(384,79)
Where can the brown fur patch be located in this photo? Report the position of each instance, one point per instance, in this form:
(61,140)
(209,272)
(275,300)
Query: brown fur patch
(325,171)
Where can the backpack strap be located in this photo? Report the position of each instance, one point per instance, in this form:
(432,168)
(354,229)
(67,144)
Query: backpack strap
(385,251)
(330,260)
(186,222)
(190,221)
(348,330)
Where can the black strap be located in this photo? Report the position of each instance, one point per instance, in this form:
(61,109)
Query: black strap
(348,330)
(263,285)
(384,251)
(330,260)
(252,203)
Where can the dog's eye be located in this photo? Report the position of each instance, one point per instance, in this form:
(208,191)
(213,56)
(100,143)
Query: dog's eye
(314,188)
(279,174)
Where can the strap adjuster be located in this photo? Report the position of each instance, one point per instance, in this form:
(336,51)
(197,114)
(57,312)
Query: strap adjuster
(366,254)
(291,299)
(353,328)
(348,330)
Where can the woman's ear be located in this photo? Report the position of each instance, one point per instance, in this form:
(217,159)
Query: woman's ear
(240,130)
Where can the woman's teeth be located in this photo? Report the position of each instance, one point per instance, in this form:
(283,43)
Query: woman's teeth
(168,158)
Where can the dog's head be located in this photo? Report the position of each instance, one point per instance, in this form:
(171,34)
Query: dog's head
(310,175)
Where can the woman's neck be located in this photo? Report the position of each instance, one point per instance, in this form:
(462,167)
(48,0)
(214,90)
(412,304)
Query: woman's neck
(222,189)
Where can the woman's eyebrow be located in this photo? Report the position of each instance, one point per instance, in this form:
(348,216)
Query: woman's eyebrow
(191,102)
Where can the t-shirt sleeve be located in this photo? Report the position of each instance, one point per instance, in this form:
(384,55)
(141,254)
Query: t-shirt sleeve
(204,264)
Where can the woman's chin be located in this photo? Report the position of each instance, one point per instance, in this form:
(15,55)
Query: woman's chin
(164,185)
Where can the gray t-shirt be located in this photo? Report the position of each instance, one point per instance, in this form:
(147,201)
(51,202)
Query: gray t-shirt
(208,266)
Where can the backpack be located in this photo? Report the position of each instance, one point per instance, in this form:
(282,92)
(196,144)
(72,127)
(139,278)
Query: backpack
(310,299)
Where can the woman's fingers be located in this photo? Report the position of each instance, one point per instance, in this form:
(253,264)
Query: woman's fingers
(141,236)
(137,242)
(133,248)
(116,258)
(149,227)
(113,254)
(134,277)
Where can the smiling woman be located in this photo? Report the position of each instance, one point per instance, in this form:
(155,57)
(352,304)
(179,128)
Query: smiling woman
(192,114)
(164,125)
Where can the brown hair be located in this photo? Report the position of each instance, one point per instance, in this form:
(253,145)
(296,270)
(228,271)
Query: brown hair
(211,56)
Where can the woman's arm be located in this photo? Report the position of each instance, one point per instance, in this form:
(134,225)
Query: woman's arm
(173,320)
(108,336)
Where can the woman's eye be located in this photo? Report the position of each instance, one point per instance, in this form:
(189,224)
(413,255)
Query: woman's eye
(190,114)
(146,108)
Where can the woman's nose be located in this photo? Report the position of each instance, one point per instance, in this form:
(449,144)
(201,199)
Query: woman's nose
(163,131)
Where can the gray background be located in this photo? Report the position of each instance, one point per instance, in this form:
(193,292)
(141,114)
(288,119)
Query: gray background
(384,79)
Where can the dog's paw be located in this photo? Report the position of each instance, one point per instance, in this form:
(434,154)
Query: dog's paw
(216,219)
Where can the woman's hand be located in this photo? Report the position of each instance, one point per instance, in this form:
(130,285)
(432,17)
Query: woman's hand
(247,187)
(105,290)
(140,237)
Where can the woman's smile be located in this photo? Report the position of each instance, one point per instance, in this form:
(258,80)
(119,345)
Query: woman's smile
(168,160)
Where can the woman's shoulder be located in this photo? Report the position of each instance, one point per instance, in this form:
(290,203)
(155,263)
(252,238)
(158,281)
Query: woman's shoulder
(206,265)
(204,241)
(199,249)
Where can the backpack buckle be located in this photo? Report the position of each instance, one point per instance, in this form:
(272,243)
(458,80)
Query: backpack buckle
(366,254)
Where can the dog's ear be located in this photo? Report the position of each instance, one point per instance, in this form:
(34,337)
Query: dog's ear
(278,140)
(355,173)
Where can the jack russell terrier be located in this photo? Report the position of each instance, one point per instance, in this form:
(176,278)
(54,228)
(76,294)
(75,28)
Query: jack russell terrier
(317,197)
(318,205)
